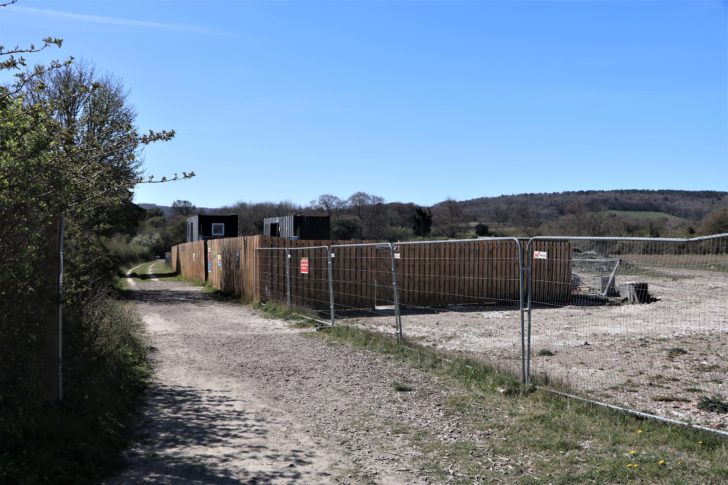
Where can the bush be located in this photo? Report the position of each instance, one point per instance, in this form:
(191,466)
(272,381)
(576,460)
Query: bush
(121,251)
(398,233)
(105,373)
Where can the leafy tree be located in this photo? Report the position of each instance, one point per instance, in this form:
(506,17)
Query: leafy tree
(398,233)
(482,230)
(346,228)
(422,222)
(68,145)
(154,212)
(716,222)
(370,211)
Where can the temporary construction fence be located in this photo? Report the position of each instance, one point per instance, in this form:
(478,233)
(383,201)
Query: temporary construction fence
(231,264)
(377,285)
(298,276)
(644,326)
(634,323)
(340,279)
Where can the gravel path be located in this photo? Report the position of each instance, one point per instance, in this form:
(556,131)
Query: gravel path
(239,398)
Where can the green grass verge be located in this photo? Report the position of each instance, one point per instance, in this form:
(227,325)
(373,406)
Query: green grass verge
(279,311)
(81,440)
(158,269)
(545,437)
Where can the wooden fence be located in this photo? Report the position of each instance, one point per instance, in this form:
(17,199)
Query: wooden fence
(428,274)
(450,273)
(188,259)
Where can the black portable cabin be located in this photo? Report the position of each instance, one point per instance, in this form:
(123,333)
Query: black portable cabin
(201,227)
(298,227)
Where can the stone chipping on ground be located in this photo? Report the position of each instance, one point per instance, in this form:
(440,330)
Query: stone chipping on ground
(662,357)
(239,398)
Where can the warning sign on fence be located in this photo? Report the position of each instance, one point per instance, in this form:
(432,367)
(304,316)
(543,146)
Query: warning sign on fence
(540,255)
(304,265)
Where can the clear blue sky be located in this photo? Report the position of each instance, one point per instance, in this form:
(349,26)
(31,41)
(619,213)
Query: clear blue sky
(413,101)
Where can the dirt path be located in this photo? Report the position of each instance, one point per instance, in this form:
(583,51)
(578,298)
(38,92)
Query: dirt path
(243,399)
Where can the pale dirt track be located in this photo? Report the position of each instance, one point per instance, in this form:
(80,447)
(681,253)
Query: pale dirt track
(238,398)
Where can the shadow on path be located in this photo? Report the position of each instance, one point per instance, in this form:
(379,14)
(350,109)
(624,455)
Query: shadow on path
(167,296)
(206,436)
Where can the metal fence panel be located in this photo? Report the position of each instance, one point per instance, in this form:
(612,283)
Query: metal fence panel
(638,324)
(365,290)
(465,296)
(643,324)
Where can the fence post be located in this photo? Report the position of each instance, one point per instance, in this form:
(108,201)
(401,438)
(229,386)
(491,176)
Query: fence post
(330,274)
(529,269)
(49,345)
(59,351)
(395,291)
(288,278)
(521,289)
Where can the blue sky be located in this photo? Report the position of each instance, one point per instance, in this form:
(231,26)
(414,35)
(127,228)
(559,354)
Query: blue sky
(413,101)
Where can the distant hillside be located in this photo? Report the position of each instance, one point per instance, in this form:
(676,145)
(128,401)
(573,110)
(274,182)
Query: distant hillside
(689,205)
(668,213)
(166,210)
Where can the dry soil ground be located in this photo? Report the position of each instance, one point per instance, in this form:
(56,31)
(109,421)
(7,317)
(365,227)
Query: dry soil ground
(239,398)
(661,357)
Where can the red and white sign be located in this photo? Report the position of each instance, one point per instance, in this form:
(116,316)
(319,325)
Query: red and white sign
(540,255)
(304,265)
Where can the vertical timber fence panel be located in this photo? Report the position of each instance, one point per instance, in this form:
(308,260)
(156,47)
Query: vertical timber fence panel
(641,324)
(363,286)
(191,260)
(464,295)
(174,259)
(309,286)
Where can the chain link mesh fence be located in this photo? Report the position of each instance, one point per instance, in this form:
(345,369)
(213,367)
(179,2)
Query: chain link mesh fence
(637,323)
(643,325)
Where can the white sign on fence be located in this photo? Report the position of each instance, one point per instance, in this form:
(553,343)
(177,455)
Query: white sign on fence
(540,255)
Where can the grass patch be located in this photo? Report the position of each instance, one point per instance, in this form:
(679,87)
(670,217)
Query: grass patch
(713,404)
(676,352)
(541,436)
(184,279)
(141,273)
(81,440)
(631,269)
(546,353)
(402,387)
(157,269)
(279,311)
(468,372)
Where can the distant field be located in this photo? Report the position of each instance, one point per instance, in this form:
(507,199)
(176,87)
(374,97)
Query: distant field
(708,262)
(644,215)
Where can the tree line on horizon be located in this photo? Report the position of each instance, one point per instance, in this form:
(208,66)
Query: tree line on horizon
(368,216)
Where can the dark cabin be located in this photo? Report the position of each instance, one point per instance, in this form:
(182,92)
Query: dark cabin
(201,227)
(298,227)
